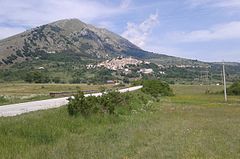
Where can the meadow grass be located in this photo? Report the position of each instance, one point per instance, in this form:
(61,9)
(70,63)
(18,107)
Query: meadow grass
(189,125)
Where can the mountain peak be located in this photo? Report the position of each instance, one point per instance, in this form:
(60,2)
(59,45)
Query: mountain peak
(73,24)
(65,36)
(64,21)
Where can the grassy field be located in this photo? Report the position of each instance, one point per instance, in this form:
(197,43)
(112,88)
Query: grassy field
(22,92)
(191,124)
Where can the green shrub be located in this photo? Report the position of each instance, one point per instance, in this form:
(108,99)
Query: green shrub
(83,105)
(234,89)
(109,103)
(37,77)
(56,80)
(156,88)
(3,99)
(86,106)
(137,82)
(126,80)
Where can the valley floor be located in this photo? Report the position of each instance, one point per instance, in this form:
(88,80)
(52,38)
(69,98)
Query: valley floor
(11,93)
(191,124)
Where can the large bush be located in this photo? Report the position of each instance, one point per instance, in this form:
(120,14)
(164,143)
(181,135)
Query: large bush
(83,105)
(156,88)
(110,101)
(106,104)
(234,89)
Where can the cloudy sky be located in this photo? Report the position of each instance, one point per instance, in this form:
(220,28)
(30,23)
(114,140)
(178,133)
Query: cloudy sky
(207,30)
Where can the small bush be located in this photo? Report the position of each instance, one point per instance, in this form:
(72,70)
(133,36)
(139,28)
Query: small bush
(234,89)
(3,99)
(83,105)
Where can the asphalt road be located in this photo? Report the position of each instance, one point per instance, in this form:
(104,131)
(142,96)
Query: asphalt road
(17,109)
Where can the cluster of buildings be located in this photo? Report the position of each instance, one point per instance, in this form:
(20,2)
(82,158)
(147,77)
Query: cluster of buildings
(119,63)
(191,66)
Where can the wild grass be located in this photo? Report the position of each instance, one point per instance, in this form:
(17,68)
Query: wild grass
(190,125)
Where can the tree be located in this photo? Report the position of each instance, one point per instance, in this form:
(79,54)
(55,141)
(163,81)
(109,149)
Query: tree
(56,80)
(37,77)
(126,80)
(234,89)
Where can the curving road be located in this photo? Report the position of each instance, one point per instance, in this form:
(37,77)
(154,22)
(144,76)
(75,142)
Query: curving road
(17,109)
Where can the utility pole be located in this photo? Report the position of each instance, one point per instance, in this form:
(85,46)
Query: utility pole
(224,83)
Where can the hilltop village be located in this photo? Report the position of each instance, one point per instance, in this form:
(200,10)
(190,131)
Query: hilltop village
(125,64)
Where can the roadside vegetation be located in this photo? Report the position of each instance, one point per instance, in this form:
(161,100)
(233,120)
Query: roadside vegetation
(190,124)
(112,103)
(3,99)
(115,103)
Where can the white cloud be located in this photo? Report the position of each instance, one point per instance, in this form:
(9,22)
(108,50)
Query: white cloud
(228,3)
(139,33)
(160,49)
(107,25)
(125,4)
(32,13)
(214,3)
(8,31)
(218,32)
(196,3)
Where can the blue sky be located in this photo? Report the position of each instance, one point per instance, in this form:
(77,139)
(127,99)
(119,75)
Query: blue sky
(207,30)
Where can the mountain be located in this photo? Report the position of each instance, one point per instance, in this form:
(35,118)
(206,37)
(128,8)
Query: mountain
(63,48)
(74,38)
(66,36)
